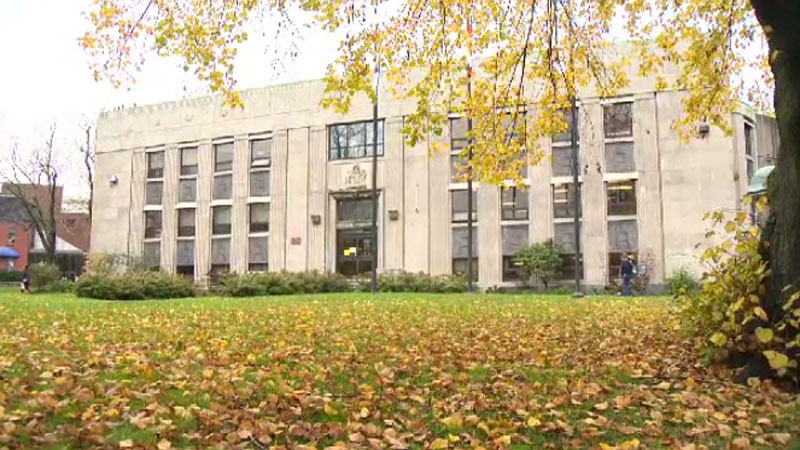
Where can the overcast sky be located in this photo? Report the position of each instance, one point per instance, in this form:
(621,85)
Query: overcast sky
(46,79)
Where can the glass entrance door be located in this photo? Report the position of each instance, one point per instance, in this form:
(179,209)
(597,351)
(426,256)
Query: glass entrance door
(354,252)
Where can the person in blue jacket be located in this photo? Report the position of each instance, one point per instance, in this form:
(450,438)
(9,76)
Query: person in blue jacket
(626,271)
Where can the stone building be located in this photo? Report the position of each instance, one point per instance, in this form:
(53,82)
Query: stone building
(283,184)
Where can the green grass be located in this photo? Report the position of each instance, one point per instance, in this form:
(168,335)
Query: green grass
(511,371)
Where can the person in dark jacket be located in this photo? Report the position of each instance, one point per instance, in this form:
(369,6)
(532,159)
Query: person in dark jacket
(25,285)
(626,271)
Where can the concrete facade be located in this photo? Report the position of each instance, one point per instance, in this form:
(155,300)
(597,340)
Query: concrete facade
(674,182)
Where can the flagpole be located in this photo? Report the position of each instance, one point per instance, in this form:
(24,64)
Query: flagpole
(470,206)
(374,273)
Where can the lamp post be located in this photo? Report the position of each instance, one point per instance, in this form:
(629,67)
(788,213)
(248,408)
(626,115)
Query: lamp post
(374,274)
(576,207)
(470,206)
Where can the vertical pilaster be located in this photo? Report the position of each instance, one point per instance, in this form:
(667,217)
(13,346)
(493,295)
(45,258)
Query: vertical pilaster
(202,239)
(277,235)
(239,218)
(440,235)
(593,196)
(490,257)
(540,200)
(169,217)
(297,199)
(317,197)
(394,178)
(136,212)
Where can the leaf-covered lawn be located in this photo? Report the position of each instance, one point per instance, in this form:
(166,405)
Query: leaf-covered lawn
(402,371)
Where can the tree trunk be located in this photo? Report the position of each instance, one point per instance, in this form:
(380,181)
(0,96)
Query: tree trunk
(782,240)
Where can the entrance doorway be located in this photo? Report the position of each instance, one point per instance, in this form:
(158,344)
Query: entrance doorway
(355,253)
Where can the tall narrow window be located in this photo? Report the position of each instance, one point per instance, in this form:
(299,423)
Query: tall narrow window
(186,222)
(221,220)
(152,224)
(618,120)
(155,165)
(187,184)
(561,147)
(222,188)
(189,161)
(12,236)
(514,238)
(259,217)
(564,197)
(514,204)
(460,247)
(621,198)
(260,164)
(460,210)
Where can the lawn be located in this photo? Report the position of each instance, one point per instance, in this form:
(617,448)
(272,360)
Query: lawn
(346,371)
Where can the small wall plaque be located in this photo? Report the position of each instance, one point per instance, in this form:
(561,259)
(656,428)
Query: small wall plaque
(296,241)
(316,219)
(394,214)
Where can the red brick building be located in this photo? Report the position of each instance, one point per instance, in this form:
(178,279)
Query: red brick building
(15,232)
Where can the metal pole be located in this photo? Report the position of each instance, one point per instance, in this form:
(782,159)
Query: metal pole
(470,206)
(374,274)
(576,209)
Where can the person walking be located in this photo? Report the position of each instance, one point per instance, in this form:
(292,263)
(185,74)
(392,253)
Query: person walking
(626,271)
(25,285)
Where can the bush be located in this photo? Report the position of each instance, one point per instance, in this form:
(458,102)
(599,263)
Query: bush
(726,312)
(43,275)
(682,282)
(10,277)
(541,261)
(133,286)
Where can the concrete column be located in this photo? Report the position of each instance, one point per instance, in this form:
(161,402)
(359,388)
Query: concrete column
(169,217)
(297,199)
(136,212)
(440,235)
(393,199)
(416,212)
(278,216)
(490,250)
(540,200)
(594,229)
(202,238)
(239,217)
(648,188)
(317,198)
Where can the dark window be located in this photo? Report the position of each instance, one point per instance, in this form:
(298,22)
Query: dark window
(155,165)
(186,271)
(186,222)
(189,161)
(514,238)
(567,269)
(566,135)
(152,224)
(621,198)
(258,254)
(564,201)
(620,157)
(460,267)
(458,168)
(748,139)
(185,258)
(562,161)
(458,134)
(223,157)
(460,212)
(187,190)
(152,255)
(260,153)
(514,204)
(751,169)
(618,120)
(354,210)
(354,140)
(221,220)
(614,261)
(221,251)
(12,236)
(222,188)
(259,183)
(153,192)
(259,217)
(254,267)
(511,271)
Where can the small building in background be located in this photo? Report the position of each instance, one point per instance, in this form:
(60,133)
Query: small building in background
(15,233)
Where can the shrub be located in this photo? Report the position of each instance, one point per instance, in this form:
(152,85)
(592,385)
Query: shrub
(43,275)
(541,261)
(727,312)
(682,282)
(133,286)
(10,277)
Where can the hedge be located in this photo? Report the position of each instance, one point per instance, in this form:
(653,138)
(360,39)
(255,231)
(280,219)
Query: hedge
(10,277)
(133,286)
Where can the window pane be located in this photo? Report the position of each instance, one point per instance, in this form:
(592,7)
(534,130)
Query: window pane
(186,222)
(152,224)
(564,201)
(623,235)
(185,253)
(514,237)
(221,251)
(458,169)
(564,236)
(223,157)
(748,139)
(223,187)
(566,135)
(155,165)
(258,252)
(567,270)
(153,192)
(259,217)
(618,120)
(620,157)
(152,255)
(460,211)
(221,220)
(514,204)
(354,140)
(621,198)
(562,161)
(261,153)
(189,161)
(460,242)
(187,190)
(458,134)
(511,271)
(354,210)
(259,183)
(460,267)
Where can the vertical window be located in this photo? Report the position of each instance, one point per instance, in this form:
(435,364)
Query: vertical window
(749,151)
(185,258)
(260,164)
(152,255)
(12,236)
(460,210)
(189,161)
(623,236)
(152,224)
(354,140)
(155,165)
(186,222)
(222,188)
(460,251)
(564,236)
(221,220)
(620,157)
(153,192)
(514,204)
(514,238)
(564,197)
(618,120)
(561,147)
(220,258)
(621,198)
(223,157)
(259,217)
(258,254)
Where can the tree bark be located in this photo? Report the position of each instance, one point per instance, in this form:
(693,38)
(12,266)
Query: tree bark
(782,238)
